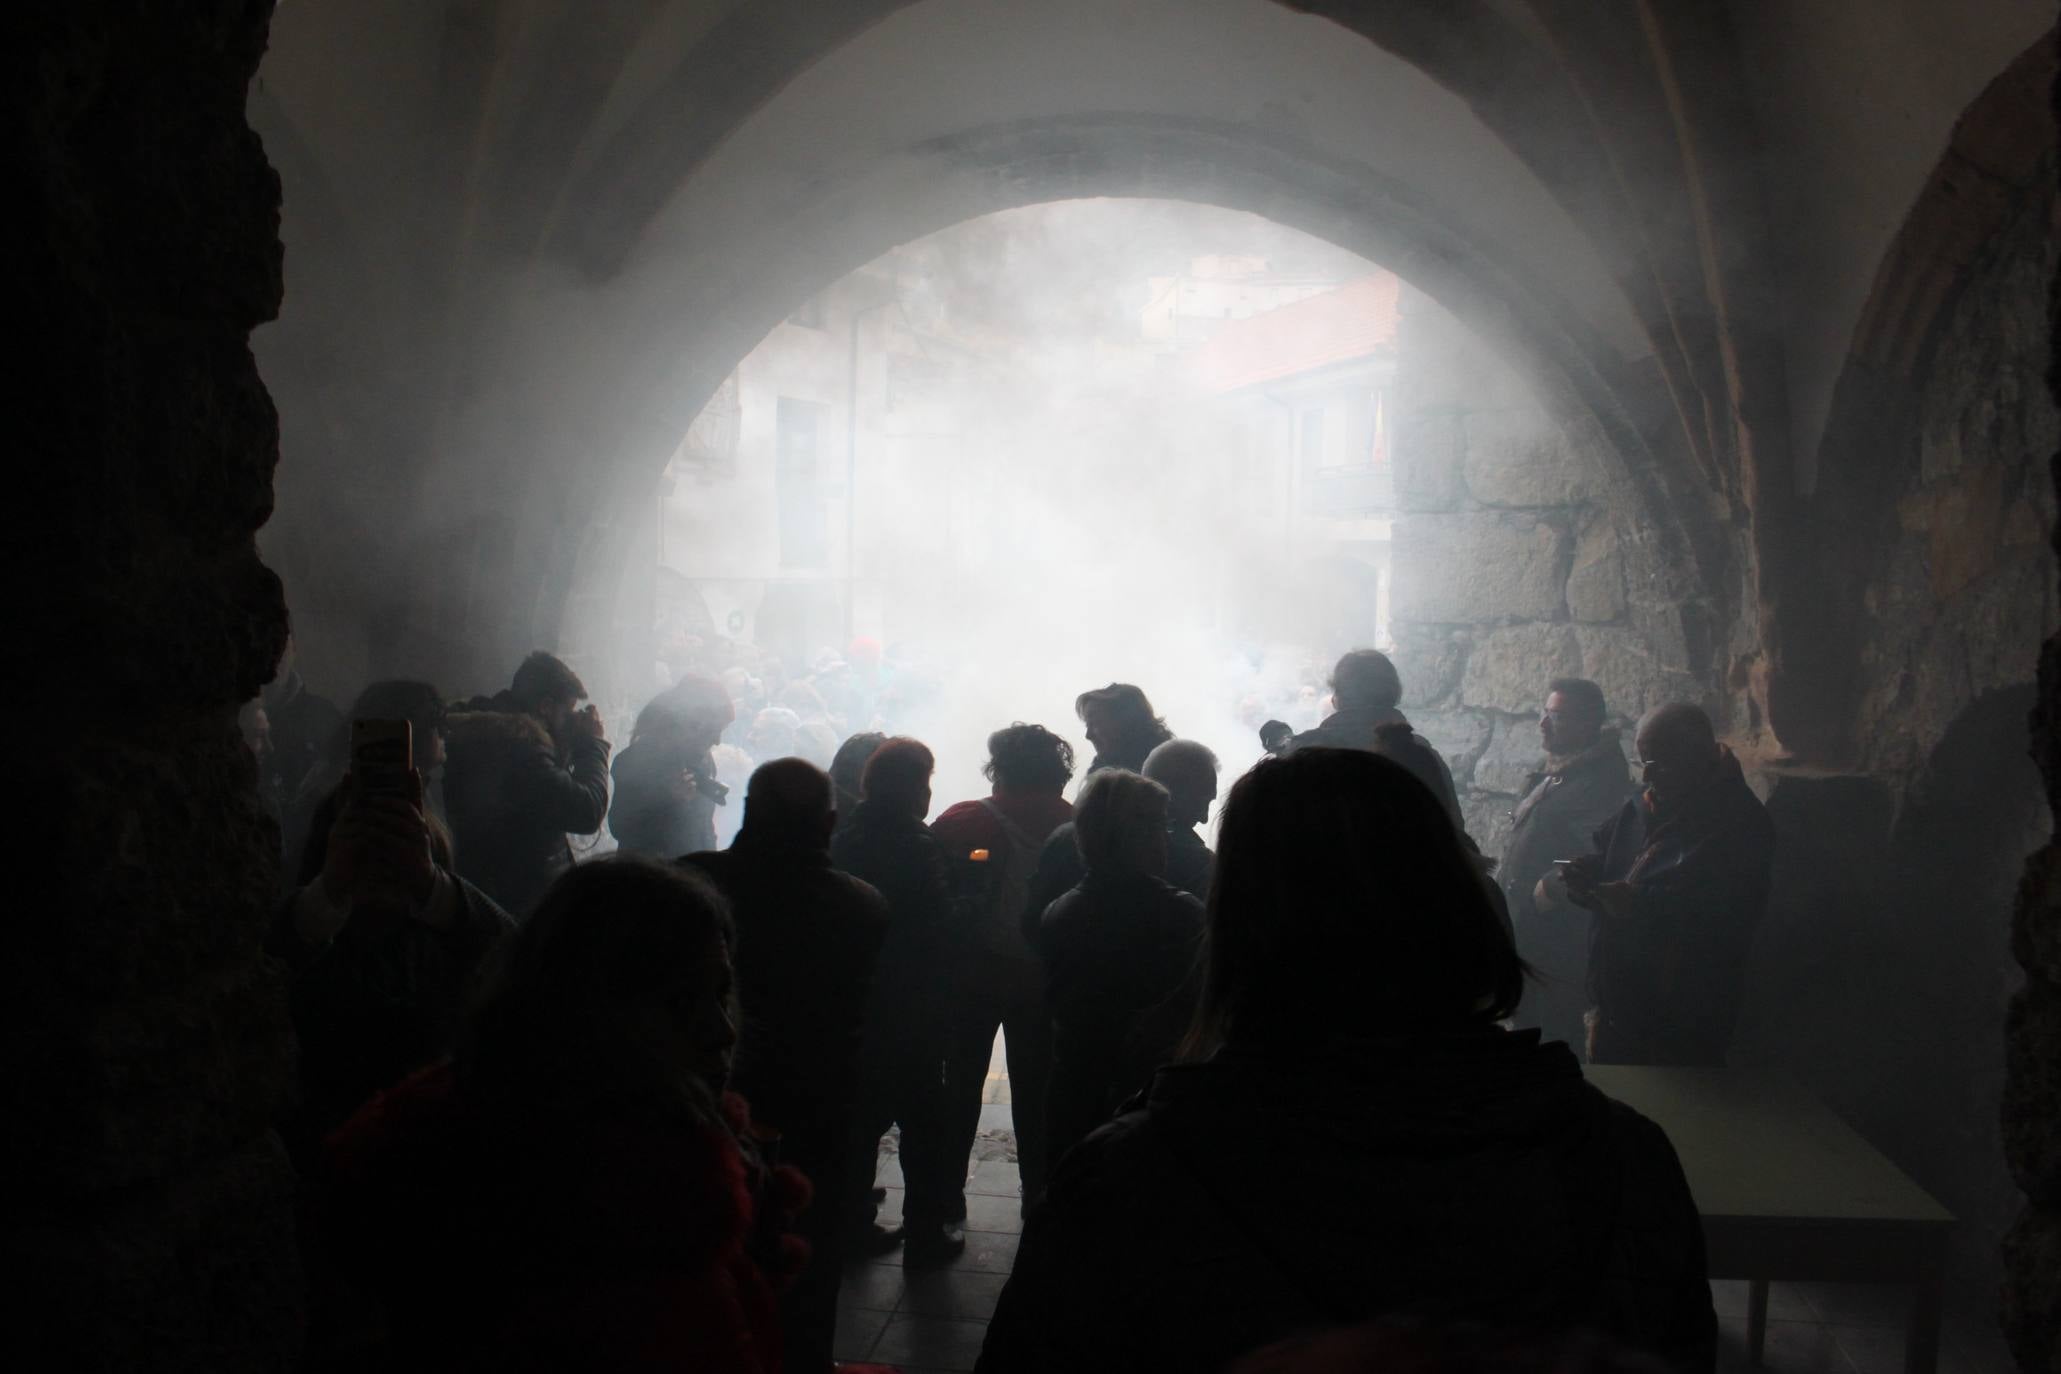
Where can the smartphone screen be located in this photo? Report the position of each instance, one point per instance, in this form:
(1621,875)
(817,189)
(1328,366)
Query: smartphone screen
(382,751)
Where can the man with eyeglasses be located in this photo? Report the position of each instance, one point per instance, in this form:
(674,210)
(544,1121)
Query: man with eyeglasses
(1677,884)
(1578,787)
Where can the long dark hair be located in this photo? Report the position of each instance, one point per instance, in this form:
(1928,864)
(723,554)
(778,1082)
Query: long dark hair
(564,1015)
(1344,903)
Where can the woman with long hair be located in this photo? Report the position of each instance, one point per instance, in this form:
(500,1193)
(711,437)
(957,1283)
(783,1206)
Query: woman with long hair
(1353,1135)
(573,1190)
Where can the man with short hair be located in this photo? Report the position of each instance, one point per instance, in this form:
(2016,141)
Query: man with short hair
(1118,952)
(885,843)
(526,768)
(1579,786)
(808,939)
(1187,769)
(1678,884)
(1366,694)
(992,846)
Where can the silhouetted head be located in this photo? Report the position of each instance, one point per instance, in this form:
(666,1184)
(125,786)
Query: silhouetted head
(789,802)
(898,776)
(1573,715)
(1188,771)
(1120,725)
(1365,680)
(691,714)
(1344,904)
(848,766)
(546,688)
(1028,758)
(1678,749)
(614,996)
(1119,823)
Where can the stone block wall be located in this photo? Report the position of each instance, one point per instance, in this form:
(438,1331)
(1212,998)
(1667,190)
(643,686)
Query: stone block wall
(147,1220)
(1516,560)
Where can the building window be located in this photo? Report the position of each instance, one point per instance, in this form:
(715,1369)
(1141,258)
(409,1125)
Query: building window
(799,430)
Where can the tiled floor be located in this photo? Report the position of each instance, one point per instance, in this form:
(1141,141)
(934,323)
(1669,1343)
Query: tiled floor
(1837,1328)
(934,1319)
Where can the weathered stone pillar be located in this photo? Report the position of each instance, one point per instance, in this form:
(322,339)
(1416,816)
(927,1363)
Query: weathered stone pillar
(2032,1093)
(143,1038)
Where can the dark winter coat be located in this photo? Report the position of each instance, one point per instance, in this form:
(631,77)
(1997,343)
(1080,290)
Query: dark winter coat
(1119,953)
(531,1238)
(512,799)
(377,1002)
(1667,980)
(1389,734)
(895,854)
(1471,1177)
(653,812)
(1560,811)
(1061,868)
(808,941)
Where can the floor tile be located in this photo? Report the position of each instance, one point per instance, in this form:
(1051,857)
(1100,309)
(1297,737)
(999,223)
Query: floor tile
(857,1333)
(988,1252)
(1858,1304)
(1873,1349)
(874,1287)
(1975,1347)
(986,1212)
(931,1342)
(967,1294)
(1804,1348)
(996,1178)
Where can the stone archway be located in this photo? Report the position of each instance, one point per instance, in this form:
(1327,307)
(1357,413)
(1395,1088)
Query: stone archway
(1584,387)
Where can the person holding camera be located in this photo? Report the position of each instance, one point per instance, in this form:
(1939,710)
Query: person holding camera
(527,767)
(380,941)
(666,792)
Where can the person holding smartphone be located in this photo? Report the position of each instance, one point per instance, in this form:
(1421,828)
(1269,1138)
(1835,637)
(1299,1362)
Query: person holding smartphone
(381,941)
(1676,887)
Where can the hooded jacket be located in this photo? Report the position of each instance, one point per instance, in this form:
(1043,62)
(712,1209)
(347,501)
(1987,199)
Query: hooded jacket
(511,799)
(1471,1177)
(519,1238)
(1668,978)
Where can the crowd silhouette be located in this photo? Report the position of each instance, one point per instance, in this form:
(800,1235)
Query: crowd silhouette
(625,1111)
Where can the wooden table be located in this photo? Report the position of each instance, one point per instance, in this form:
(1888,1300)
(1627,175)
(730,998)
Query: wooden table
(1788,1191)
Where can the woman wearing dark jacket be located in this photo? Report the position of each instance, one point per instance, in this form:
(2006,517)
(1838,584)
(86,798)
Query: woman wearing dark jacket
(1354,1137)
(571,1192)
(381,939)
(1118,952)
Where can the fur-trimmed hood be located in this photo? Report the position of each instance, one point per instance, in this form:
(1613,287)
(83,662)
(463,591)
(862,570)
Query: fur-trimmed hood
(495,720)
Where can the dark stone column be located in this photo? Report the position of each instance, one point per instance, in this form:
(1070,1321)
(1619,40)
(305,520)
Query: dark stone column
(2032,1093)
(148,1220)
